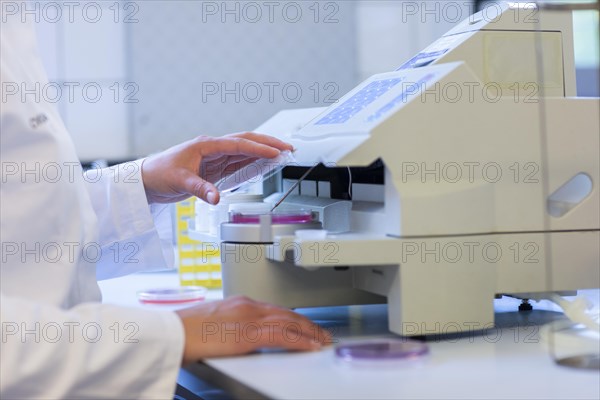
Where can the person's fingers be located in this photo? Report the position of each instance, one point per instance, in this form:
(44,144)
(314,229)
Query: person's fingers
(235,159)
(298,323)
(237,163)
(265,139)
(271,309)
(236,146)
(268,312)
(283,338)
(237,326)
(272,313)
(196,186)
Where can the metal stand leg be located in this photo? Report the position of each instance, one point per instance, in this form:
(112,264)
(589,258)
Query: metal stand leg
(525,305)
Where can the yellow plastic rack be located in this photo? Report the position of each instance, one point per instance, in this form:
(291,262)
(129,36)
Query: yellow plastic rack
(199,262)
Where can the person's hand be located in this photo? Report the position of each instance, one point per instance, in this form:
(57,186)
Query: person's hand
(191,168)
(239,325)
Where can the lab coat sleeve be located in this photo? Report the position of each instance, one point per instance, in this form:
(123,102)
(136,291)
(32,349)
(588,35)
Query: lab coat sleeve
(133,236)
(92,351)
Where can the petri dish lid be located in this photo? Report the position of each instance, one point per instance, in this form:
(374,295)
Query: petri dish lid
(178,295)
(381,350)
(250,208)
(260,170)
(238,197)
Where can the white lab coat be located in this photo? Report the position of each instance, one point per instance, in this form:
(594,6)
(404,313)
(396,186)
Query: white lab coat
(59,233)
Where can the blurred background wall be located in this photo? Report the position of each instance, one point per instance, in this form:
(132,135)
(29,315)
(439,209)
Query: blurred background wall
(145,75)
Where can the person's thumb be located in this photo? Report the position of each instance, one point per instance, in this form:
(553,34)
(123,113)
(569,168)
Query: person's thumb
(200,188)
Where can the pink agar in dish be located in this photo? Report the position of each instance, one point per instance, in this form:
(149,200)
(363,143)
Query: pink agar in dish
(275,218)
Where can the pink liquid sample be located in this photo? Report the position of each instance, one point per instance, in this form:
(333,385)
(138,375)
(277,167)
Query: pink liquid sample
(275,218)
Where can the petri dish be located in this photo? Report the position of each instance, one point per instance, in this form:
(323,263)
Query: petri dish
(284,217)
(172,296)
(383,350)
(250,208)
(258,171)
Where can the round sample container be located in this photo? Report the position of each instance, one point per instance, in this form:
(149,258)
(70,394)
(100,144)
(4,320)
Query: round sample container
(298,217)
(250,213)
(257,224)
(381,351)
(172,296)
(219,213)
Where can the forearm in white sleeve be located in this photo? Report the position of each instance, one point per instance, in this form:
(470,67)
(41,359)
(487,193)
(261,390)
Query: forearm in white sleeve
(92,351)
(133,235)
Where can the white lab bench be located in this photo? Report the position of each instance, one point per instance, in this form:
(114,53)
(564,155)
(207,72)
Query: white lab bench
(510,361)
